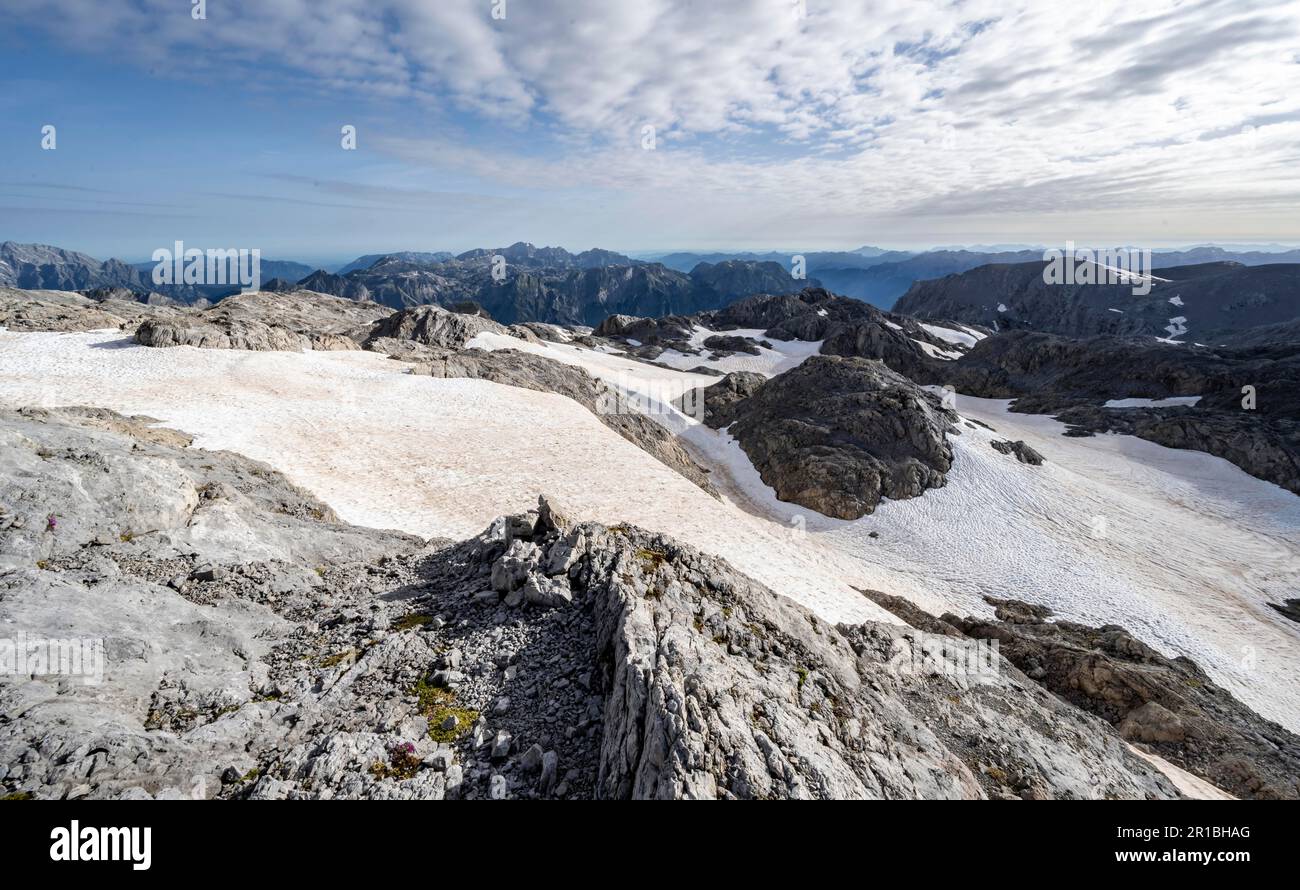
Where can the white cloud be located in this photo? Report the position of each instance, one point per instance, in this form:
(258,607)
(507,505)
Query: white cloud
(859,112)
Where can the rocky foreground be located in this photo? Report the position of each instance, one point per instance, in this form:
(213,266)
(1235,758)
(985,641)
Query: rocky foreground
(256,647)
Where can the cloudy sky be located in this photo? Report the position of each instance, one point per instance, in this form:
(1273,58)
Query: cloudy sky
(776,123)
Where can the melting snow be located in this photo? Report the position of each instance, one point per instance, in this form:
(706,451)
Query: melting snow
(961,338)
(783,355)
(934,351)
(1153,403)
(1183,548)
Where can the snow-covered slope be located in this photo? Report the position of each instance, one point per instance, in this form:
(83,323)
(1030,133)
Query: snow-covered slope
(1181,547)
(424,455)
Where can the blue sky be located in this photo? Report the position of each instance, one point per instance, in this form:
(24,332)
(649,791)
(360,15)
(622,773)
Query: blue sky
(824,125)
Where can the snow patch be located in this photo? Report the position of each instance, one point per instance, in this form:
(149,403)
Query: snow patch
(949,335)
(935,352)
(1172,402)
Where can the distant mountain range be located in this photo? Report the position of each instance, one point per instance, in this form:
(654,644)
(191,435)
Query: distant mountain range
(554,285)
(42,267)
(880,276)
(550,284)
(1204,302)
(409,256)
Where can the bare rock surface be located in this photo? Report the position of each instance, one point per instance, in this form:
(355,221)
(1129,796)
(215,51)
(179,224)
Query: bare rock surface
(837,434)
(1023,453)
(267,320)
(64,311)
(254,647)
(1168,705)
(435,326)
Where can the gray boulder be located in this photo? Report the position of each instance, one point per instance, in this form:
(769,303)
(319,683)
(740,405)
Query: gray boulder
(435,326)
(838,434)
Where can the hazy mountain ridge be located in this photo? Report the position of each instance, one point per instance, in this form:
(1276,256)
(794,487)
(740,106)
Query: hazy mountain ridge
(552,285)
(1200,303)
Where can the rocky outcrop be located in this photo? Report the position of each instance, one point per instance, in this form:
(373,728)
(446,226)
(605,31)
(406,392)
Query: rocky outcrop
(1023,453)
(126,295)
(268,321)
(1290,608)
(1073,379)
(728,344)
(845,326)
(1265,448)
(255,647)
(42,310)
(1168,704)
(435,326)
(838,434)
(719,398)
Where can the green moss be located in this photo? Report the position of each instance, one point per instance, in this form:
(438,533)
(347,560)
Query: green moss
(337,658)
(406,622)
(437,705)
(126,537)
(803,676)
(252,774)
(42,564)
(652,558)
(18,795)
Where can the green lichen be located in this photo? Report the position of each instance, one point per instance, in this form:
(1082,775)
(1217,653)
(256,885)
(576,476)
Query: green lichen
(415,619)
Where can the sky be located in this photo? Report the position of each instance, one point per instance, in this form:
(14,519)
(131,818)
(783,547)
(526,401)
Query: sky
(643,125)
